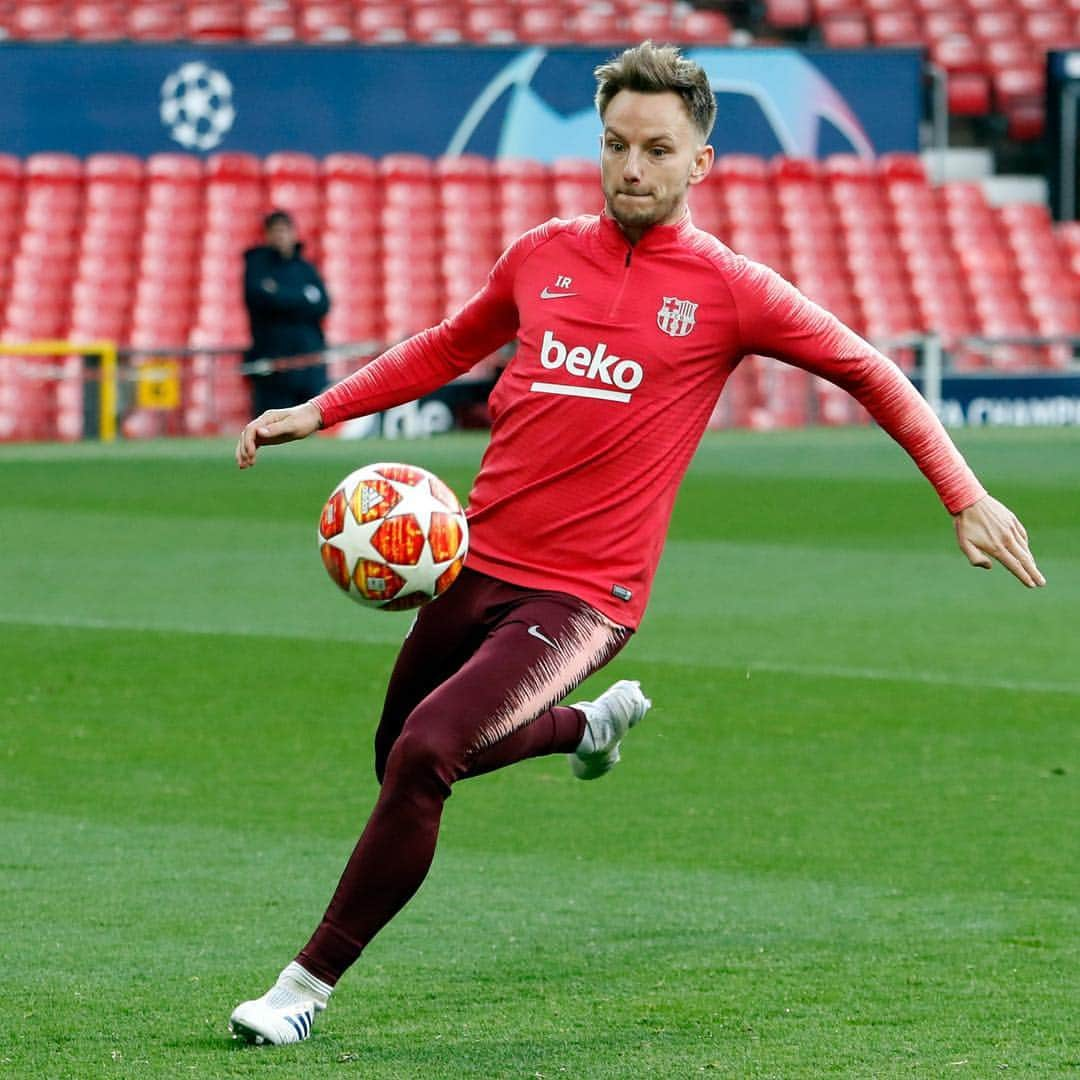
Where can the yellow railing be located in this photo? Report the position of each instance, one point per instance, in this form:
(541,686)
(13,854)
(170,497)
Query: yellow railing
(107,372)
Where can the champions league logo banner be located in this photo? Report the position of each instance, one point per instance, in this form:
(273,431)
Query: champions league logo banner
(498,102)
(780,97)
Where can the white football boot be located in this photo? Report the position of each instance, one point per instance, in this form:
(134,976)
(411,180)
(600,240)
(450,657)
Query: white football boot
(285,1013)
(607,720)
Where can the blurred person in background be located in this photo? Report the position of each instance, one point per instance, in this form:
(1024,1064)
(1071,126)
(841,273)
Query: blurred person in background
(286,301)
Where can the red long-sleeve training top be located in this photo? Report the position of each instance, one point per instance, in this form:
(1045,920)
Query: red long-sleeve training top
(622,352)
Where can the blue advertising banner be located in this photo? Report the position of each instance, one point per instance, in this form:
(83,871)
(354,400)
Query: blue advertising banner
(529,102)
(1010,400)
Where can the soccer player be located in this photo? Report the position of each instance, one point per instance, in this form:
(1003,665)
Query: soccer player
(627,326)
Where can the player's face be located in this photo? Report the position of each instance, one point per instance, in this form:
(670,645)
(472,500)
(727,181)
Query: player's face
(650,155)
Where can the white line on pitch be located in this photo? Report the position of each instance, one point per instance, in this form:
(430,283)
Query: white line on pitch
(393,630)
(929,678)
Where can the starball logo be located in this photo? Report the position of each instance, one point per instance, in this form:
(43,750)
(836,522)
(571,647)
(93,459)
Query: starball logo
(597,368)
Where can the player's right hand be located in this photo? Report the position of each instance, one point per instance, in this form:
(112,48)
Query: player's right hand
(276,426)
(988,530)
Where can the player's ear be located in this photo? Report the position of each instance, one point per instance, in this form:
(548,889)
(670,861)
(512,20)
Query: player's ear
(703,162)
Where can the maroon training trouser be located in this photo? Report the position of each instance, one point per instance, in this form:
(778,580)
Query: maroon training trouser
(474,688)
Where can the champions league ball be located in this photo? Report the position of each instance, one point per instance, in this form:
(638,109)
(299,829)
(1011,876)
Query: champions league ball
(393,536)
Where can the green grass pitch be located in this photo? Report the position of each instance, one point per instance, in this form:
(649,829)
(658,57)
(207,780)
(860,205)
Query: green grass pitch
(844,842)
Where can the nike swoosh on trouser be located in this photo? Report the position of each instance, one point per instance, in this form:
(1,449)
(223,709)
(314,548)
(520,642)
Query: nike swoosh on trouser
(536,632)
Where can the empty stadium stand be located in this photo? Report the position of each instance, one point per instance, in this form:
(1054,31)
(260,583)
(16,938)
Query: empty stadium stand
(436,22)
(993,51)
(147,253)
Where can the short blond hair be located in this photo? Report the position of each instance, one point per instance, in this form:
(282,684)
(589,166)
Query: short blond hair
(657,69)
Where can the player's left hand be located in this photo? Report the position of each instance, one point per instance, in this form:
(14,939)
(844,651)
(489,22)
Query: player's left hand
(989,530)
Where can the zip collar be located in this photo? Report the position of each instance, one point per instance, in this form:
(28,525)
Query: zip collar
(655,239)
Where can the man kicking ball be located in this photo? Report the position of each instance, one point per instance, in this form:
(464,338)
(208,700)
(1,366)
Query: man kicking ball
(628,324)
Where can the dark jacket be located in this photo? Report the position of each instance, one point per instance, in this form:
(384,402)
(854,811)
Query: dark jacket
(286,301)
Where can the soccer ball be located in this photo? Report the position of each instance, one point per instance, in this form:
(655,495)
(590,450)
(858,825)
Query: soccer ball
(393,536)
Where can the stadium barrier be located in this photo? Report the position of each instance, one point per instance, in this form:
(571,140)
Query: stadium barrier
(65,388)
(68,390)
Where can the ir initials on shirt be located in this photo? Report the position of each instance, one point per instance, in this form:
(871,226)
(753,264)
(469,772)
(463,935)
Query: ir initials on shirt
(562,284)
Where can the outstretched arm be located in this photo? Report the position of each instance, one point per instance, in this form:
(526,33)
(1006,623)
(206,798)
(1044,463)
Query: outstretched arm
(989,530)
(276,426)
(411,368)
(778,320)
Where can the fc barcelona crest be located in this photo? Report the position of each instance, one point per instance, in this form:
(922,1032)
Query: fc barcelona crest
(676,317)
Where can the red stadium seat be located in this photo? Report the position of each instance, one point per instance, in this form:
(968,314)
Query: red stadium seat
(925,8)
(383,23)
(519,170)
(291,165)
(114,168)
(174,168)
(489,24)
(958,52)
(468,203)
(266,24)
(1030,218)
(1050,29)
(824,9)
(902,166)
(152,20)
(881,5)
(233,165)
(575,184)
(11,168)
(98,20)
(1026,120)
(995,25)
(11,171)
(407,168)
(436,24)
(542,26)
(463,168)
(941,24)
(524,194)
(327,22)
(787,14)
(849,167)
(845,31)
(743,167)
(293,184)
(53,167)
(968,94)
(1019,88)
(654,23)
(596,26)
(796,170)
(714,27)
(215,20)
(39,22)
(896,28)
(350,168)
(348,325)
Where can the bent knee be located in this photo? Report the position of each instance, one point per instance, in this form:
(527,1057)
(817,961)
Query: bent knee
(419,756)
